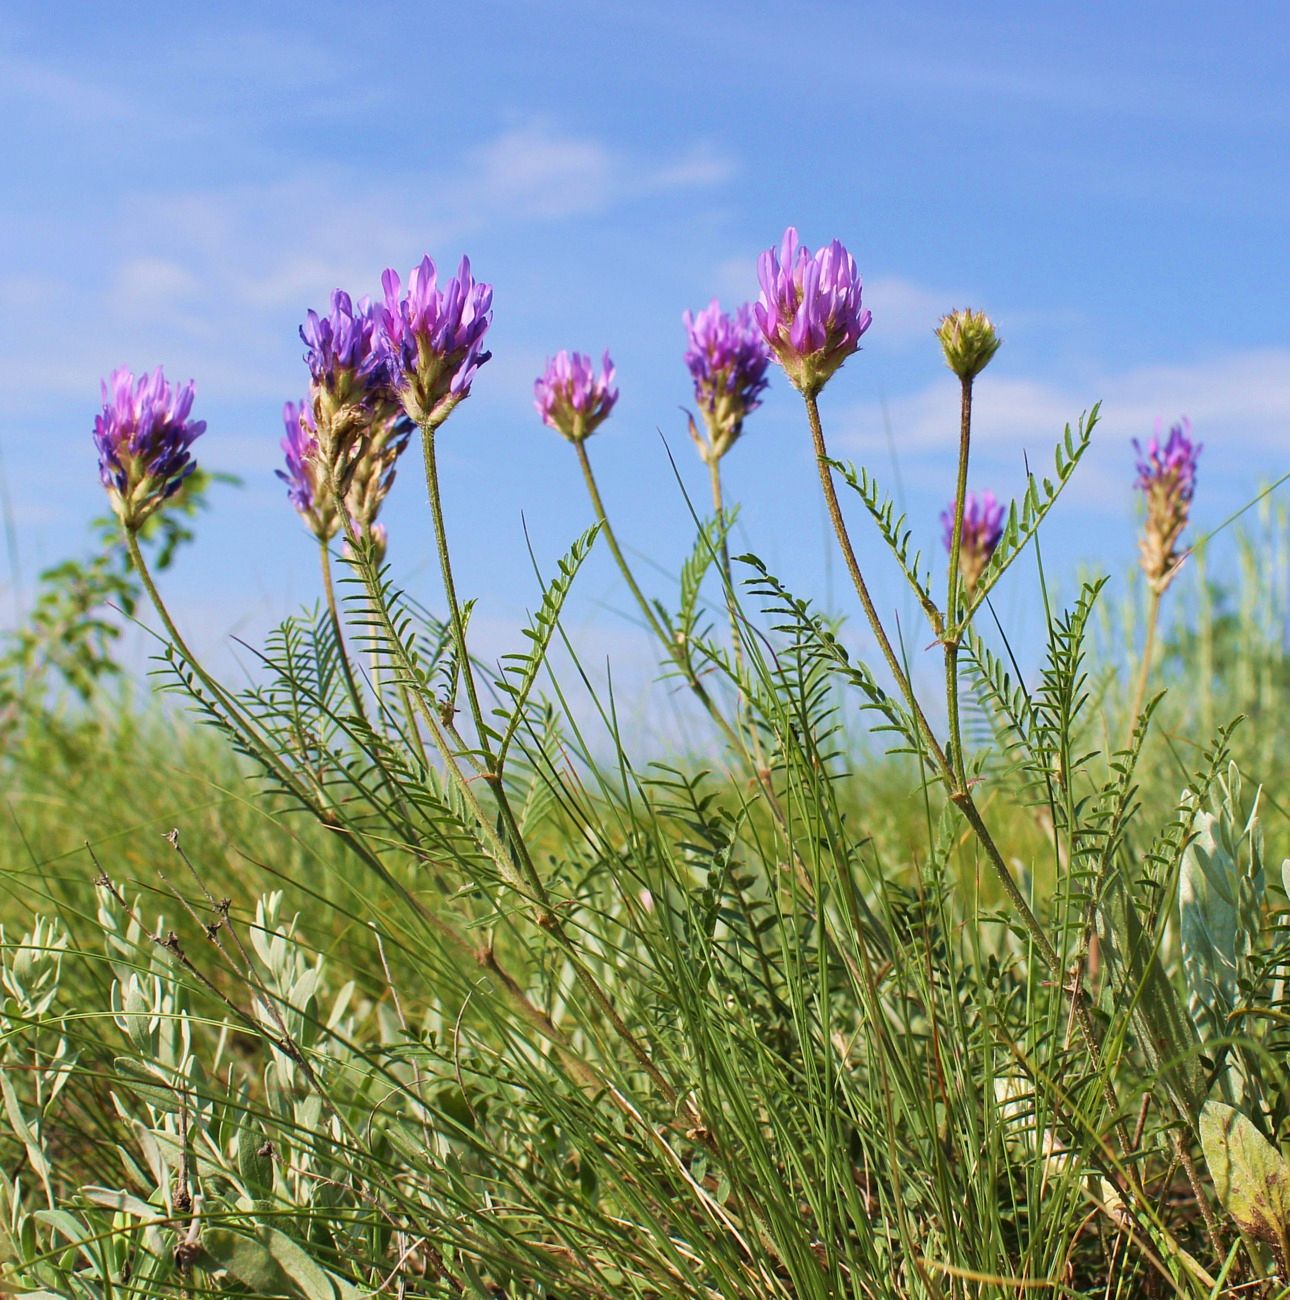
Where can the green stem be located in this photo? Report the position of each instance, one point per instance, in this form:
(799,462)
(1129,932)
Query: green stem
(514,860)
(666,640)
(718,504)
(1144,668)
(960,504)
(761,770)
(732,608)
(464,666)
(953,631)
(894,665)
(225,700)
(611,540)
(338,631)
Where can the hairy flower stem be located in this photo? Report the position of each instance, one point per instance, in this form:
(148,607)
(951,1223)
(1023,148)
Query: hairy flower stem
(960,795)
(732,607)
(862,590)
(611,540)
(952,629)
(346,668)
(1212,1229)
(1148,653)
(670,648)
(464,665)
(760,769)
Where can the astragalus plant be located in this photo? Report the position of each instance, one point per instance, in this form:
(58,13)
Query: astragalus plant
(603,1027)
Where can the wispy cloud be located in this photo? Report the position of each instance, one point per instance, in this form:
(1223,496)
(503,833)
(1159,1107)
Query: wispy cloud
(905,310)
(1241,398)
(210,274)
(1239,405)
(31,82)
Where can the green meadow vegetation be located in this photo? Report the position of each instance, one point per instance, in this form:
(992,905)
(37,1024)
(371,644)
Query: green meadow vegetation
(395,972)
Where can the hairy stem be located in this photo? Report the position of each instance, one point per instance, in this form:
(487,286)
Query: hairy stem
(464,665)
(666,640)
(513,859)
(1144,668)
(953,631)
(894,665)
(732,608)
(333,610)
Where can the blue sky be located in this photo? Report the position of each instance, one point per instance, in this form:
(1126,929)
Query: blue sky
(1109,182)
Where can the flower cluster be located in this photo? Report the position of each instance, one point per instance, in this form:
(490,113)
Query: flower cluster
(968,340)
(386,439)
(983,518)
(347,383)
(433,339)
(307,487)
(727,358)
(143,435)
(810,309)
(374,370)
(341,349)
(1167,478)
(571,398)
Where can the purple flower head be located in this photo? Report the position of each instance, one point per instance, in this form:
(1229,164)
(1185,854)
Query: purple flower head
(341,349)
(727,357)
(1167,478)
(349,389)
(304,476)
(810,309)
(571,397)
(143,435)
(983,518)
(433,338)
(1172,466)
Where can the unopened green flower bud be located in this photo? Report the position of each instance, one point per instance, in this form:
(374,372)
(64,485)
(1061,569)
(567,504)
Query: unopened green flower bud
(968,340)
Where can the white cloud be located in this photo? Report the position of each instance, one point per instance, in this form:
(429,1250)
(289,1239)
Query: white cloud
(905,310)
(31,82)
(218,277)
(286,242)
(534,172)
(1241,399)
(145,285)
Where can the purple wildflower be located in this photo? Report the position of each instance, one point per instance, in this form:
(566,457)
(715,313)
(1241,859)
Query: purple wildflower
(1167,477)
(983,518)
(349,388)
(727,357)
(143,435)
(810,309)
(341,350)
(304,476)
(434,338)
(571,397)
